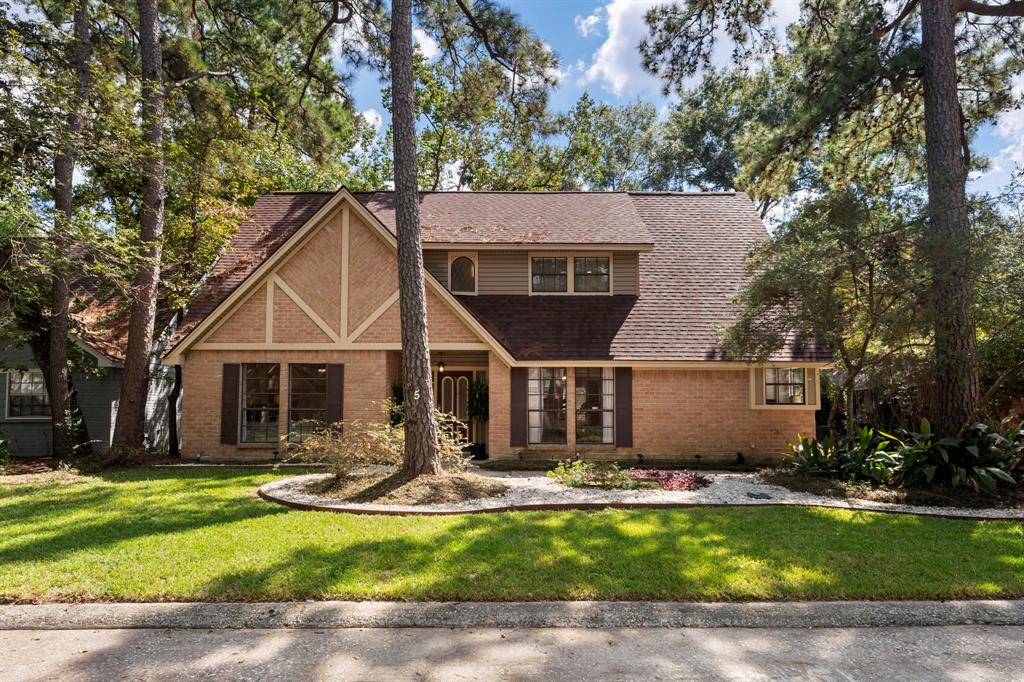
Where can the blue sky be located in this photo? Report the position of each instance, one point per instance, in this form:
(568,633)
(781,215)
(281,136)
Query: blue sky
(596,42)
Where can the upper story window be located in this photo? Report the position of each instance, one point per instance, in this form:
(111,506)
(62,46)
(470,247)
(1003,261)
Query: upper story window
(591,274)
(26,395)
(784,386)
(548,274)
(570,274)
(462,273)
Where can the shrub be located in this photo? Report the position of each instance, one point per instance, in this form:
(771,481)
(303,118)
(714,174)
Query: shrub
(356,443)
(982,457)
(580,474)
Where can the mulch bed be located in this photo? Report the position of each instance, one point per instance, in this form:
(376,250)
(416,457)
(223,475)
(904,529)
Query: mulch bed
(394,488)
(23,466)
(935,496)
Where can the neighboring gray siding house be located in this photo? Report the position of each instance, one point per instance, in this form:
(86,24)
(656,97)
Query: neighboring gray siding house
(24,404)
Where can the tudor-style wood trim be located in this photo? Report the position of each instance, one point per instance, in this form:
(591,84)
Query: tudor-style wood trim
(268,326)
(295,242)
(452,346)
(345,232)
(374,316)
(310,313)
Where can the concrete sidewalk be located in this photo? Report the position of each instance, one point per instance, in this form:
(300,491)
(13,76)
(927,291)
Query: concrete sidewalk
(973,652)
(341,614)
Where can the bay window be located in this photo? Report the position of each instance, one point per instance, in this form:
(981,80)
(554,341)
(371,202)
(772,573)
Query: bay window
(784,386)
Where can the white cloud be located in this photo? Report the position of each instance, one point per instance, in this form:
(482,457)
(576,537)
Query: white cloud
(1010,127)
(372,118)
(587,26)
(428,46)
(616,63)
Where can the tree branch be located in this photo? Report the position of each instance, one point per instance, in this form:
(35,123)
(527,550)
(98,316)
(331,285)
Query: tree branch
(481,33)
(998,382)
(904,13)
(1009,9)
(195,77)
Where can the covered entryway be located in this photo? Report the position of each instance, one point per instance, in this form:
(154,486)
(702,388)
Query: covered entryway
(460,388)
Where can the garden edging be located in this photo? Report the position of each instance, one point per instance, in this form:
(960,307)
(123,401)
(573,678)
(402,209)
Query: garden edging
(287,492)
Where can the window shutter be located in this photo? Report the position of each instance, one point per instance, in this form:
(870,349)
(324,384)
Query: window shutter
(624,407)
(229,404)
(517,407)
(759,386)
(811,385)
(335,393)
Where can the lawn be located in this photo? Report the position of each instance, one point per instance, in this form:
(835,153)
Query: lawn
(203,534)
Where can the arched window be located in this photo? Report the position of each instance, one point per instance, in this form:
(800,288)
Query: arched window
(463,275)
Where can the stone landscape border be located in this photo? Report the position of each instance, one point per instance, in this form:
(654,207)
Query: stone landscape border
(541,614)
(271,492)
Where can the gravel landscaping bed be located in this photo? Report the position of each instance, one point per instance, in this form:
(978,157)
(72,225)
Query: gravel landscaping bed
(532,489)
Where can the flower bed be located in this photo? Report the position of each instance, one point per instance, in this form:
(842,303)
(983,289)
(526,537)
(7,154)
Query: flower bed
(580,474)
(671,480)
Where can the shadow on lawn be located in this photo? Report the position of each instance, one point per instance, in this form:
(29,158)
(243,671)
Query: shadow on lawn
(691,554)
(141,503)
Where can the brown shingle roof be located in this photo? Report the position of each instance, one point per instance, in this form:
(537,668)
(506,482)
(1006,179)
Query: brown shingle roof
(687,287)
(687,282)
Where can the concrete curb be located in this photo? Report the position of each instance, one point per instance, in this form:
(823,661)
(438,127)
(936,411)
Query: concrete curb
(341,614)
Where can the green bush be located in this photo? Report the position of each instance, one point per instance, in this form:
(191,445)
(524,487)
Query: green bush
(982,457)
(580,474)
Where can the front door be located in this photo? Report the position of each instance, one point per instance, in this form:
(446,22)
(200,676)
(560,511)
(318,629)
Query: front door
(453,397)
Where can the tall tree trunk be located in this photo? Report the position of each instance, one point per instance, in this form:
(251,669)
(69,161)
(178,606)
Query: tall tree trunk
(420,428)
(948,240)
(129,432)
(59,379)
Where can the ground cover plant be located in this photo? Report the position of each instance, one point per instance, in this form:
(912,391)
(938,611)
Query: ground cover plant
(202,533)
(982,458)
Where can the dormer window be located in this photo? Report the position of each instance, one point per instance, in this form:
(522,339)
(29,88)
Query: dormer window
(570,274)
(462,273)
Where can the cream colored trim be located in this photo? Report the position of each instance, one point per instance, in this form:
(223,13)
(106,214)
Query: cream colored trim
(269,324)
(267,266)
(810,376)
(310,313)
(519,246)
(570,268)
(374,316)
(336,346)
(452,255)
(345,231)
(220,323)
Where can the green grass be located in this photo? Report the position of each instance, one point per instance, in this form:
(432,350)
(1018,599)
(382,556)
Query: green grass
(188,534)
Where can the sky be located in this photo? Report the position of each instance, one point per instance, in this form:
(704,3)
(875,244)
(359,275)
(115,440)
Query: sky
(597,45)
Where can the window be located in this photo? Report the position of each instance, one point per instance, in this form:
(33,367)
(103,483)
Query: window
(590,274)
(546,405)
(260,396)
(26,395)
(784,386)
(570,274)
(548,274)
(462,275)
(307,400)
(595,405)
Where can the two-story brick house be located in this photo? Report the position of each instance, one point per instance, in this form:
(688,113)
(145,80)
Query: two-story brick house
(594,319)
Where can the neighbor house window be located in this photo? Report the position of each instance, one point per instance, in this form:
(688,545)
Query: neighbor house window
(590,274)
(548,274)
(462,276)
(784,386)
(260,403)
(595,405)
(307,400)
(546,404)
(26,394)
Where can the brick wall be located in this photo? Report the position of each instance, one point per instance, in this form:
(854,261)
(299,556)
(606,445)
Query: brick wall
(366,382)
(676,413)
